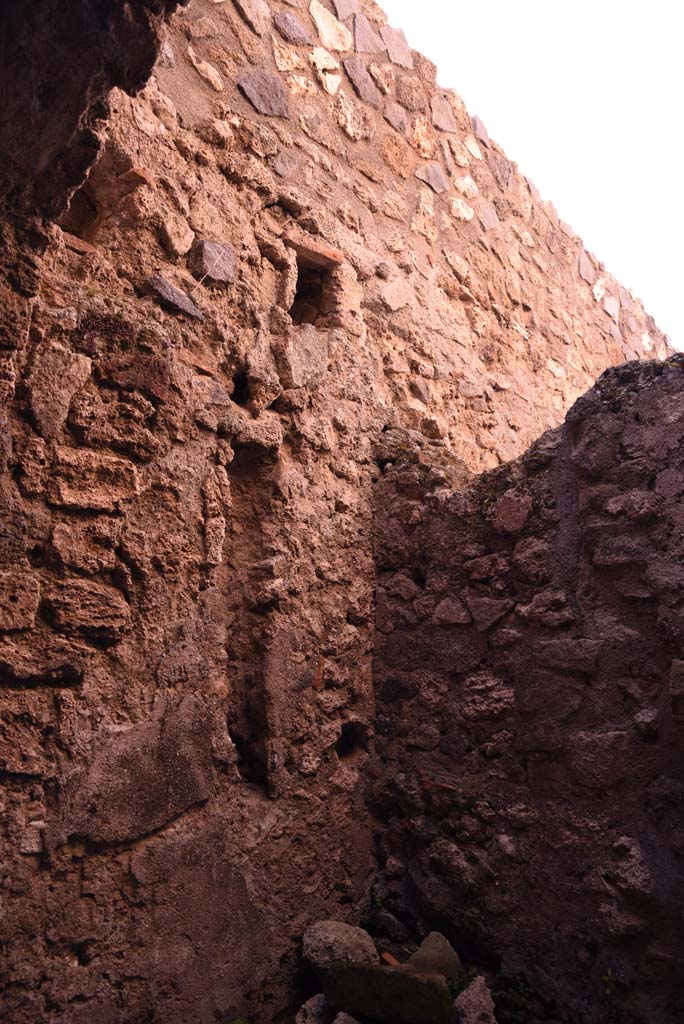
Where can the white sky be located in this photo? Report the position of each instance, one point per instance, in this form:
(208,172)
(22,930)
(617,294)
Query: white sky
(587,96)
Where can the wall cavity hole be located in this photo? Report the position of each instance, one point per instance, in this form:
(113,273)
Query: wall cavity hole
(240,393)
(353,742)
(81,214)
(310,296)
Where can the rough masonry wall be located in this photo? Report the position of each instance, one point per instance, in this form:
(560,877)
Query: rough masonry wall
(530,719)
(293,239)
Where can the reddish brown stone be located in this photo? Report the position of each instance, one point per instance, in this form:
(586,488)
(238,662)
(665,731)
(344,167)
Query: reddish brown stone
(266,93)
(364,86)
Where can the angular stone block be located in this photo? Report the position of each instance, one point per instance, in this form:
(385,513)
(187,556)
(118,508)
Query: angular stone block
(86,479)
(19,600)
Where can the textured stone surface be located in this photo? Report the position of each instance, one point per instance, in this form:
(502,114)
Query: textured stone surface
(188,526)
(366,39)
(290,27)
(213,261)
(332,942)
(173,298)
(333,34)
(549,738)
(364,86)
(397,47)
(256,13)
(266,93)
(434,176)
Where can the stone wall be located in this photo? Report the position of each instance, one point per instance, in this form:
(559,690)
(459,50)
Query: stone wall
(292,240)
(530,730)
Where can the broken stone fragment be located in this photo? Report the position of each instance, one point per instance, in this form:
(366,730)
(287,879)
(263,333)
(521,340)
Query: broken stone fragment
(314,1011)
(172,298)
(489,219)
(88,609)
(213,261)
(395,995)
(256,13)
(290,27)
(479,131)
(57,374)
(143,776)
(366,39)
(587,271)
(364,86)
(331,942)
(434,176)
(395,115)
(511,513)
(19,600)
(443,114)
(451,612)
(262,437)
(436,955)
(327,70)
(266,93)
(346,7)
(333,34)
(85,479)
(397,47)
(208,72)
(475,1004)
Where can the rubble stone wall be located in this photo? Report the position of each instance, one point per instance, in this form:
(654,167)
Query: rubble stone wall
(292,239)
(530,730)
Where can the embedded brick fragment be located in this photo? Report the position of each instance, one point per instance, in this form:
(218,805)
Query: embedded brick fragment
(434,176)
(364,86)
(443,114)
(314,254)
(19,600)
(172,298)
(88,609)
(86,479)
(256,13)
(397,47)
(366,39)
(333,34)
(213,261)
(266,93)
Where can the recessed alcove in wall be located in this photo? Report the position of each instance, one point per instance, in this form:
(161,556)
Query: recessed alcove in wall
(352,742)
(316,291)
(309,302)
(81,214)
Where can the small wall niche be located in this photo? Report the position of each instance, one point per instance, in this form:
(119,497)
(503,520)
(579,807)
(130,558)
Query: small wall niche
(352,743)
(312,286)
(81,214)
(240,393)
(315,293)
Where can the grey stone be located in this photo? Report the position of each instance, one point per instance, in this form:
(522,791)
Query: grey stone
(287,163)
(291,28)
(396,116)
(266,93)
(436,955)
(346,7)
(501,168)
(173,298)
(443,115)
(314,1011)
(256,13)
(332,942)
(479,131)
(396,995)
(587,271)
(364,86)
(475,1004)
(213,261)
(489,218)
(366,39)
(397,47)
(434,176)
